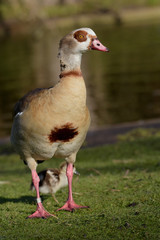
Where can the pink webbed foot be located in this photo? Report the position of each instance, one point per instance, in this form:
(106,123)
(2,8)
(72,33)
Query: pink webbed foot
(71,206)
(41,213)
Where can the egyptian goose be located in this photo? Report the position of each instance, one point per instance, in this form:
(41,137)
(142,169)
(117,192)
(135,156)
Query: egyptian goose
(51,180)
(54,121)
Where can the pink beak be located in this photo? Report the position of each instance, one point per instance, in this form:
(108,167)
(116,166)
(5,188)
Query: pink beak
(97,45)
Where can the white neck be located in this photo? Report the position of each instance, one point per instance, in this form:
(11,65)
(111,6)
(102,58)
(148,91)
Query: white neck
(69,62)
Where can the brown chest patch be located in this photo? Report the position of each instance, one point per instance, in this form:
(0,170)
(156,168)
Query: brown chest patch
(81,36)
(63,134)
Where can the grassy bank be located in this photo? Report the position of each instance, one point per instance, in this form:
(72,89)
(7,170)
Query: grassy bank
(119,182)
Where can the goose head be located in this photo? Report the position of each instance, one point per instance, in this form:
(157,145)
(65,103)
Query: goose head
(74,44)
(81,40)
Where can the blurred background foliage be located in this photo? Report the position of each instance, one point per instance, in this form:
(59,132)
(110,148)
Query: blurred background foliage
(28,10)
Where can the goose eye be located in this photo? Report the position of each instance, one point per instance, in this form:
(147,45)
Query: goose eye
(81,36)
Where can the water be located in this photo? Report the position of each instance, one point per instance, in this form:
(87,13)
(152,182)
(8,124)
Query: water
(122,85)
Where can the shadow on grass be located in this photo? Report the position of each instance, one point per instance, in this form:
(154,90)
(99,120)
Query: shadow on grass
(23,199)
(17,171)
(6,149)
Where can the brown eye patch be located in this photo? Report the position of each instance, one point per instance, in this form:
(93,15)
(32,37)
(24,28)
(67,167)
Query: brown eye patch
(81,36)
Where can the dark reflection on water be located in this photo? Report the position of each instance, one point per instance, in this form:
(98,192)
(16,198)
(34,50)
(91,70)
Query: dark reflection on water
(123,85)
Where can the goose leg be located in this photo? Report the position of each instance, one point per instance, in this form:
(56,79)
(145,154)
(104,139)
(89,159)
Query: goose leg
(70,205)
(40,212)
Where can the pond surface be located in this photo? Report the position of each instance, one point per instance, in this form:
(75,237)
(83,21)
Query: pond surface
(122,85)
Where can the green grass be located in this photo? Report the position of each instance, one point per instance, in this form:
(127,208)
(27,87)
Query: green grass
(119,182)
